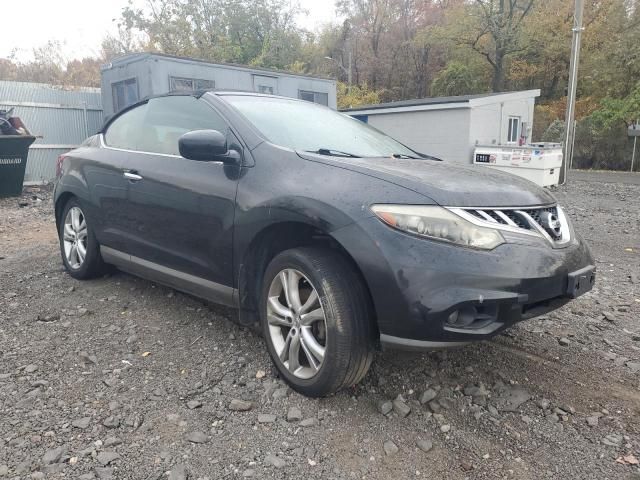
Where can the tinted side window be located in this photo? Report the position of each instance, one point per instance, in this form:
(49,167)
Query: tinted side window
(168,118)
(125,131)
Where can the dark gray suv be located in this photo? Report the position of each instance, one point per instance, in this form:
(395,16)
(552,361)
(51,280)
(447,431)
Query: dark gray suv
(330,236)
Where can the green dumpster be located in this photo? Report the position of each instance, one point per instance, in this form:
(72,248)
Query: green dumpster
(14,150)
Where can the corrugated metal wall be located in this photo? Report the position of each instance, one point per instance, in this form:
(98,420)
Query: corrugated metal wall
(62,116)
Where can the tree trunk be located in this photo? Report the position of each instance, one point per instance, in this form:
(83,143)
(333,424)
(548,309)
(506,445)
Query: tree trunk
(497,85)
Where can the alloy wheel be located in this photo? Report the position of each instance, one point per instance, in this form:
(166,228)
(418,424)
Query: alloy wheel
(75,237)
(297,323)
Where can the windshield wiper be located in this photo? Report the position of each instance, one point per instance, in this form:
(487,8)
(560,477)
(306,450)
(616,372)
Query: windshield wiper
(403,155)
(332,153)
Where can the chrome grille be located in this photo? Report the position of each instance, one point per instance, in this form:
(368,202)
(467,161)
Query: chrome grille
(535,221)
(512,217)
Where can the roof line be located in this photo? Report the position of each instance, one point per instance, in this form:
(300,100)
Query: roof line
(123,58)
(429,102)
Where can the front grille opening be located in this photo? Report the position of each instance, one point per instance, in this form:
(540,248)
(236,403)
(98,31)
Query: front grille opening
(520,221)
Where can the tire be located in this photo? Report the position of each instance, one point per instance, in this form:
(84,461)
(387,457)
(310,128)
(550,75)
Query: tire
(81,268)
(344,303)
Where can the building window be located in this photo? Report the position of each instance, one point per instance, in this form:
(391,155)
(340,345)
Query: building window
(512,134)
(182,84)
(125,93)
(268,89)
(315,97)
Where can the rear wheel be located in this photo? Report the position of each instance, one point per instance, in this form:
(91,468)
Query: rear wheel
(78,245)
(317,321)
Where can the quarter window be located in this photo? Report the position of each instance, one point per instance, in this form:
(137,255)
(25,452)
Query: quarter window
(124,93)
(268,89)
(512,134)
(315,97)
(180,84)
(125,130)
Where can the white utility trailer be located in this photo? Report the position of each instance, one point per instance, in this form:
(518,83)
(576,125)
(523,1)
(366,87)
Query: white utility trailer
(539,162)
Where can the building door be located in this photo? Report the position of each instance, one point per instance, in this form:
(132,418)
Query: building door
(264,84)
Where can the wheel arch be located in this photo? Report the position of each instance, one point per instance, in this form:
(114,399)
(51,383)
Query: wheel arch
(59,205)
(269,242)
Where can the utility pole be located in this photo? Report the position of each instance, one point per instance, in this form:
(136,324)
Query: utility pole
(569,130)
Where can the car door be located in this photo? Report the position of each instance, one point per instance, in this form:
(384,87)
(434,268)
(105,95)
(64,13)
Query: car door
(105,179)
(182,211)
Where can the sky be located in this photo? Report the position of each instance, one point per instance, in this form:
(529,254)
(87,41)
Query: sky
(80,25)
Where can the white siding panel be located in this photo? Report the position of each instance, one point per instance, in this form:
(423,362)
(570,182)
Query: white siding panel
(441,133)
(486,127)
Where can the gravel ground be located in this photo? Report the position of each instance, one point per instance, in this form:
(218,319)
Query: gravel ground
(120,378)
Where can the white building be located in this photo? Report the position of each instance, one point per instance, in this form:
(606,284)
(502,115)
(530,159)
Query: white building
(133,77)
(451,127)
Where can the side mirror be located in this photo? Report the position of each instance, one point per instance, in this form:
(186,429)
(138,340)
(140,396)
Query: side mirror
(204,146)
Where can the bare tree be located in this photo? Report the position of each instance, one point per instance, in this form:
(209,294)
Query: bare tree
(498,36)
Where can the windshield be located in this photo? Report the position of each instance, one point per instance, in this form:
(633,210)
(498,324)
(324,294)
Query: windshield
(309,127)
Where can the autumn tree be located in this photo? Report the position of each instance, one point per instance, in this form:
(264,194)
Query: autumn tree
(494,30)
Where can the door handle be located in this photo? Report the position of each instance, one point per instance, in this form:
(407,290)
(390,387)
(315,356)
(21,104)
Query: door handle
(134,177)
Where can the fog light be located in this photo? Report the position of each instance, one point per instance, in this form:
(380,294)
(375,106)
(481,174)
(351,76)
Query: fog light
(463,317)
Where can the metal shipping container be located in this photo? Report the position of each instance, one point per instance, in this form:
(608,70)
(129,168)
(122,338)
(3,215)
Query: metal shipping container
(130,78)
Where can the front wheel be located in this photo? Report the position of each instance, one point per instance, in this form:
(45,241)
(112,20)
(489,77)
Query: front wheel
(78,245)
(316,318)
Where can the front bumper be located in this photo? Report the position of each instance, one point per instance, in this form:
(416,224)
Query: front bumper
(419,286)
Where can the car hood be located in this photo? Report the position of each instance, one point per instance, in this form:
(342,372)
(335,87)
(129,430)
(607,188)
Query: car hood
(446,183)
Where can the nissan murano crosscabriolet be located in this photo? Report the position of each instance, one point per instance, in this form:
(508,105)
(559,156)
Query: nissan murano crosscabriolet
(331,237)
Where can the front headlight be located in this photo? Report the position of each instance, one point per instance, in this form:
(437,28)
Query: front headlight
(439,224)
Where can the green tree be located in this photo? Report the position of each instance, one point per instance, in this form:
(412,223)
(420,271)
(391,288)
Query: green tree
(456,79)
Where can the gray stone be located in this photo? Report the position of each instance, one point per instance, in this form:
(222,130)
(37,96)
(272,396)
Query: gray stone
(511,399)
(53,455)
(294,414)
(197,437)
(592,421)
(4,470)
(87,476)
(105,458)
(435,406)
(238,405)
(249,472)
(193,404)
(609,316)
(564,341)
(30,368)
(445,428)
(111,422)
(274,461)
(104,473)
(543,403)
(424,445)
(390,448)
(266,418)
(401,407)
(428,395)
(280,393)
(308,422)
(633,366)
(613,440)
(81,423)
(385,407)
(37,476)
(112,442)
(87,358)
(178,472)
